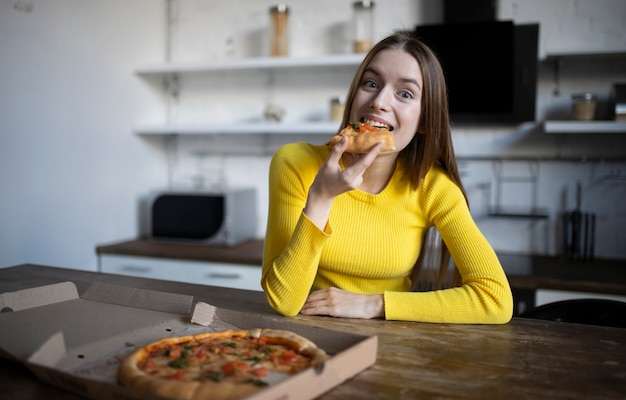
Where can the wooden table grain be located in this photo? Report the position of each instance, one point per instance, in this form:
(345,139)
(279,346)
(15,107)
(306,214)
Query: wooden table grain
(524,359)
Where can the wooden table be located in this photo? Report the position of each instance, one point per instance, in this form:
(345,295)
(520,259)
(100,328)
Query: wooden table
(524,359)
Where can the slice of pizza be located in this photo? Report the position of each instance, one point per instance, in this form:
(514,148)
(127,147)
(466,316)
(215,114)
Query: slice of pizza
(362,136)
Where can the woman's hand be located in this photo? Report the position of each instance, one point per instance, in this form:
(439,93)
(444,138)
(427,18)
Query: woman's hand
(341,303)
(331,181)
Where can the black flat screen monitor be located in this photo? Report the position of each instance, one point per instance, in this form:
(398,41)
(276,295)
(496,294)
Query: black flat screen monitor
(490,69)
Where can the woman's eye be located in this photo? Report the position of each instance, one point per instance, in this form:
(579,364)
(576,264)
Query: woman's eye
(369,84)
(406,95)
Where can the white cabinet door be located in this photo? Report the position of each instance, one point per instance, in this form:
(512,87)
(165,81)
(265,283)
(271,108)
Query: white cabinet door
(144,267)
(228,275)
(238,276)
(545,296)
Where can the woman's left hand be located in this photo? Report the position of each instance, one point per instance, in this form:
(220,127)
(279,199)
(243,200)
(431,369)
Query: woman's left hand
(341,303)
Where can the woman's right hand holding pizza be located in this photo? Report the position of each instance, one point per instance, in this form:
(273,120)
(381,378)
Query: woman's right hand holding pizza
(332,180)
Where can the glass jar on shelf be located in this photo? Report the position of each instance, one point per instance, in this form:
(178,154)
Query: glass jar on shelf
(584,106)
(363,25)
(279,38)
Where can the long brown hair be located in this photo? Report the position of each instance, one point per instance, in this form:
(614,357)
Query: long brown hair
(432,145)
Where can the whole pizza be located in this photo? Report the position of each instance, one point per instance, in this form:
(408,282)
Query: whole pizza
(230,364)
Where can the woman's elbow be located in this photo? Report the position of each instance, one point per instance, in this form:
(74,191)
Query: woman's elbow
(495,303)
(501,311)
(286,311)
(280,305)
(503,315)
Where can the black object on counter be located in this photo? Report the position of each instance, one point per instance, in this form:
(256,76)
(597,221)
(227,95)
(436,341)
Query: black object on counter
(579,231)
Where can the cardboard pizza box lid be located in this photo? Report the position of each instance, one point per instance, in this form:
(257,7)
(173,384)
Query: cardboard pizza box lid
(18,345)
(103,314)
(77,342)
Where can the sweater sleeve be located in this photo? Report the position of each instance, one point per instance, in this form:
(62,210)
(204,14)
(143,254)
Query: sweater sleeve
(485,295)
(293,244)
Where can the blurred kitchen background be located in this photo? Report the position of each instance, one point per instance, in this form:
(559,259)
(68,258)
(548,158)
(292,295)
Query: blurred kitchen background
(90,126)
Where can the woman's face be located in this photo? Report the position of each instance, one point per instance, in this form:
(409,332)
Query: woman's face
(390,95)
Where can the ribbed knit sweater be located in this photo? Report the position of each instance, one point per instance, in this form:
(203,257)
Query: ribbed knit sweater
(371,243)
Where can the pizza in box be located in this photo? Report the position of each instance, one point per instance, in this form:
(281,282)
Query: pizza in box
(229,364)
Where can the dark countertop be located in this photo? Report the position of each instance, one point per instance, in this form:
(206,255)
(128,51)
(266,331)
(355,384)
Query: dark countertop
(524,272)
(546,272)
(524,359)
(250,252)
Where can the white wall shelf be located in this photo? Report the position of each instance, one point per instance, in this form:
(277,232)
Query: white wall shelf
(585,55)
(333,60)
(171,87)
(573,127)
(322,128)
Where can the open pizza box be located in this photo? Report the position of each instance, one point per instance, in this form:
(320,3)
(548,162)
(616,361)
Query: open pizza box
(78,342)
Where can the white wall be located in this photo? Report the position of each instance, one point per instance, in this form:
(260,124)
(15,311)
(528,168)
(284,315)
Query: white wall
(71,171)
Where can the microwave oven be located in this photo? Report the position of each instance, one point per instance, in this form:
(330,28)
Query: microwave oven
(224,217)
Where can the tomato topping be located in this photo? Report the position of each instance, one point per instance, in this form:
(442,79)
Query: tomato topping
(366,127)
(288,356)
(233,366)
(201,353)
(260,372)
(175,352)
(178,375)
(194,361)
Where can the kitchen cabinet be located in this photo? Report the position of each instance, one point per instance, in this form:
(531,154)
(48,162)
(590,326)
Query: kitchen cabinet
(228,266)
(527,299)
(547,296)
(309,68)
(238,276)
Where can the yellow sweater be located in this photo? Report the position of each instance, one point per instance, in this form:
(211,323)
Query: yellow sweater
(371,243)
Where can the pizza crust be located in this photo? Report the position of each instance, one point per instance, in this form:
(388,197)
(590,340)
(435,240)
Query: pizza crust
(131,375)
(362,142)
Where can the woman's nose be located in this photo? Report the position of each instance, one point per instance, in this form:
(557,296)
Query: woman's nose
(381,100)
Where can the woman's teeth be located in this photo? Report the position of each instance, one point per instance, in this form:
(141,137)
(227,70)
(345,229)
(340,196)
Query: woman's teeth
(374,123)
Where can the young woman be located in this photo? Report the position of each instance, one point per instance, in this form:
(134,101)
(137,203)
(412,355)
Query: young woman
(347,233)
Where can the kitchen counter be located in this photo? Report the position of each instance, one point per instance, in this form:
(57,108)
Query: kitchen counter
(525,359)
(250,252)
(546,272)
(524,272)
